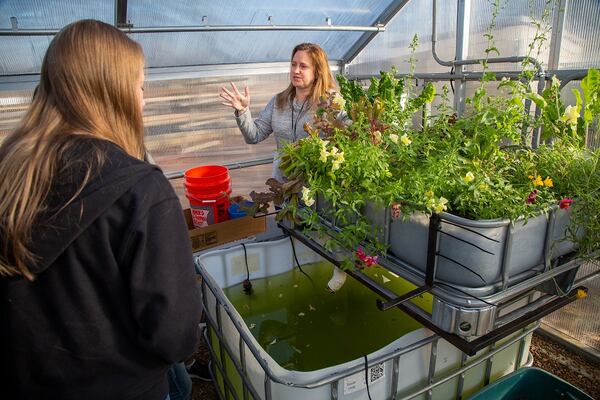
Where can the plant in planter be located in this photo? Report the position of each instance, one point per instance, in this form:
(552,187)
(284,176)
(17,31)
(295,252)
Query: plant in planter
(457,167)
(475,171)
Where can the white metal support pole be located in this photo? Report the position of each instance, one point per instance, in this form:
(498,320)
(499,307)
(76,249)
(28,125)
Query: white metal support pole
(558,24)
(463,21)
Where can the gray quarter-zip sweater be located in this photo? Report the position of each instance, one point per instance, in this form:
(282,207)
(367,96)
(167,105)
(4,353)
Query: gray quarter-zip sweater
(279,122)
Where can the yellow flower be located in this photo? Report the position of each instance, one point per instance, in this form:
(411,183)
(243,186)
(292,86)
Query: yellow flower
(338,159)
(441,205)
(338,102)
(570,116)
(483,186)
(469,177)
(531,177)
(405,140)
(307,197)
(548,182)
(394,138)
(324,154)
(555,81)
(538,181)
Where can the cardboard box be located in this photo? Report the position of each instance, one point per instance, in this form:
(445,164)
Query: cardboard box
(223,232)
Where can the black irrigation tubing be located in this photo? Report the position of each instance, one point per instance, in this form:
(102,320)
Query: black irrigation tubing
(468,229)
(466,242)
(462,265)
(367,376)
(247,285)
(298,262)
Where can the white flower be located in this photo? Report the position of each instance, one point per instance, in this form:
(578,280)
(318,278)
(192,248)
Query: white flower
(394,138)
(469,177)
(570,116)
(307,196)
(405,140)
(377,135)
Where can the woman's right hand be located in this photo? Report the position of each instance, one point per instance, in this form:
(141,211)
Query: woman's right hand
(234,98)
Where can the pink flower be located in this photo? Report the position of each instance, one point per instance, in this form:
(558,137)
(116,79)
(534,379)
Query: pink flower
(361,254)
(565,203)
(368,261)
(532,196)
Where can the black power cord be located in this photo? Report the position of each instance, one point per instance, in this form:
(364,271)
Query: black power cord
(247,284)
(367,376)
(298,262)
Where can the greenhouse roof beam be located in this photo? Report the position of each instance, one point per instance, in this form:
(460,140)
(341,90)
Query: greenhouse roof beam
(558,26)
(385,17)
(121,14)
(456,63)
(210,28)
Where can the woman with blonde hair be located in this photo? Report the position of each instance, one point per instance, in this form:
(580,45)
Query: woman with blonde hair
(288,111)
(97,287)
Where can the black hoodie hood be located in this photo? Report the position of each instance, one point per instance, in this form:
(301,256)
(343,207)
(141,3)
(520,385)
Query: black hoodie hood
(59,226)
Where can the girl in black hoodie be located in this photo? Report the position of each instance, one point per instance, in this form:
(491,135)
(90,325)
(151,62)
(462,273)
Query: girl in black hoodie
(98,296)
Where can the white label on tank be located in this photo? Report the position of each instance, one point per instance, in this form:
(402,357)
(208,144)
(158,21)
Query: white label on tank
(356,382)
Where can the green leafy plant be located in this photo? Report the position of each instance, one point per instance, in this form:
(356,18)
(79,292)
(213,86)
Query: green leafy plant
(478,165)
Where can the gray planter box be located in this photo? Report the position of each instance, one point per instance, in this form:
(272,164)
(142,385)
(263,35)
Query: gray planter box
(487,255)
(479,256)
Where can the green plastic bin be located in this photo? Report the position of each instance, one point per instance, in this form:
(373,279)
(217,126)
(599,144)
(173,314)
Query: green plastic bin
(530,384)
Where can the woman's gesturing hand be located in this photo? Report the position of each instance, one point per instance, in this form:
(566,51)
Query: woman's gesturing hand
(234,98)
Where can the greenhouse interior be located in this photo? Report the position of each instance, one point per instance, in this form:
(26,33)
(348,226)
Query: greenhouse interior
(393,199)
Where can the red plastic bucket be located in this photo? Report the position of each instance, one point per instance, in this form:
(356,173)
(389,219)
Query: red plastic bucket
(208,188)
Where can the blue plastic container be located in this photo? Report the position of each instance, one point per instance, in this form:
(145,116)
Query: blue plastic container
(530,383)
(236,212)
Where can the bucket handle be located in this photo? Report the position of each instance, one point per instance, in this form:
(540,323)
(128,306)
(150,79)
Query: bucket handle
(223,194)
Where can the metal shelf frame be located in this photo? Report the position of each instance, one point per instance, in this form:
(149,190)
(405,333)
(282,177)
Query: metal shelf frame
(505,326)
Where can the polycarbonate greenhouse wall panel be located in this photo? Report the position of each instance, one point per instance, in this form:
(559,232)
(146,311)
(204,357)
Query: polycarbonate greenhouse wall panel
(185,121)
(202,48)
(254,12)
(24,55)
(213,48)
(53,14)
(186,125)
(390,48)
(513,33)
(198,48)
(581,35)
(579,319)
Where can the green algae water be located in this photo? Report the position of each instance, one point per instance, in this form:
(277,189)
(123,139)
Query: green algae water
(304,327)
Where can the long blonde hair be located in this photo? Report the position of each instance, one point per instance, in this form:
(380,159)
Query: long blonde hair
(87,88)
(323,78)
